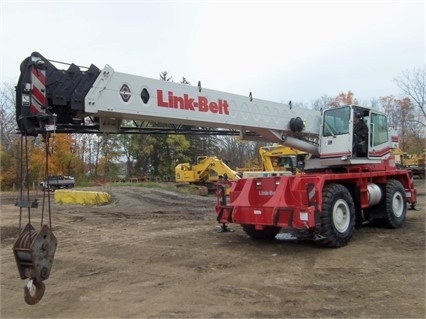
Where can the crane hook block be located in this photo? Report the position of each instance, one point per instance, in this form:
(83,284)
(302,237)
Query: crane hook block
(34,252)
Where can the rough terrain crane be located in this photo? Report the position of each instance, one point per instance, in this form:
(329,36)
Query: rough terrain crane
(343,184)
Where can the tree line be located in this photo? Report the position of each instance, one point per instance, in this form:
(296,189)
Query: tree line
(109,157)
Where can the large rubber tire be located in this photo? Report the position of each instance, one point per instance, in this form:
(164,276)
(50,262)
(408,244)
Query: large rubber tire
(337,217)
(268,233)
(395,205)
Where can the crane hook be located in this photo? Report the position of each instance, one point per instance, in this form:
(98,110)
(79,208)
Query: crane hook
(32,299)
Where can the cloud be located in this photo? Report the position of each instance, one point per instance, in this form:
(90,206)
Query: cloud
(278,50)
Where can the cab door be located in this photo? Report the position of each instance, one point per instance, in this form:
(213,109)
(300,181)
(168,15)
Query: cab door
(336,140)
(379,144)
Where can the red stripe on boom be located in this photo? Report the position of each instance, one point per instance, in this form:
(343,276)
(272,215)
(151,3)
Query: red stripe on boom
(39,96)
(40,75)
(34,109)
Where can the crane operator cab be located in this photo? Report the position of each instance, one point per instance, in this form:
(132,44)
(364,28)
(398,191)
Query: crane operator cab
(351,131)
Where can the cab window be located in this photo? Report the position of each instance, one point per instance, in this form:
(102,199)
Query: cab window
(336,121)
(380,129)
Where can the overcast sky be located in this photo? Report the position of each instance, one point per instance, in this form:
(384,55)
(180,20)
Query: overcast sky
(279,50)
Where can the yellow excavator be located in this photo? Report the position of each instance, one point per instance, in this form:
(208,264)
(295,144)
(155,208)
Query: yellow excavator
(414,162)
(277,160)
(204,174)
(282,158)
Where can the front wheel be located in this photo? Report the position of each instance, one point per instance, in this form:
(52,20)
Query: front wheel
(337,217)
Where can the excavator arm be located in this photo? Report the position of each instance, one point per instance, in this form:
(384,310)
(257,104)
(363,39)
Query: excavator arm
(207,170)
(94,100)
(278,157)
(212,163)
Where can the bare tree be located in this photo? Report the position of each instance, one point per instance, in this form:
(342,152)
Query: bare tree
(238,153)
(321,103)
(413,84)
(7,115)
(185,81)
(164,75)
(374,103)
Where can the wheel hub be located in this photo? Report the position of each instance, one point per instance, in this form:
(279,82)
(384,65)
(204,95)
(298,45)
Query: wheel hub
(341,214)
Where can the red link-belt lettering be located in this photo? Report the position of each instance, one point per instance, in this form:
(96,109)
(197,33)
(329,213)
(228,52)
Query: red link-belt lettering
(186,103)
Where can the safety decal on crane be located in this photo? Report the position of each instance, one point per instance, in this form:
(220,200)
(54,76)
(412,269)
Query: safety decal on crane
(125,93)
(192,104)
(38,100)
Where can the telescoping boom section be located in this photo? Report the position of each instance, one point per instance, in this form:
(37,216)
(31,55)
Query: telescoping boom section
(350,178)
(108,97)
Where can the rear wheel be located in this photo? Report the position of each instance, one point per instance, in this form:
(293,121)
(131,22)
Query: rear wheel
(267,233)
(392,210)
(338,216)
(396,204)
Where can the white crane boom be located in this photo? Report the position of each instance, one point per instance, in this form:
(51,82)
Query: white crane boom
(118,96)
(112,97)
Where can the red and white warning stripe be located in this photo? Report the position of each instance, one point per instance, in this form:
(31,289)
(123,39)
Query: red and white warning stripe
(38,92)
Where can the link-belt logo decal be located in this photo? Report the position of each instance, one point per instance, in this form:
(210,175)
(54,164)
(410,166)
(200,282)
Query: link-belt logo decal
(200,103)
(125,93)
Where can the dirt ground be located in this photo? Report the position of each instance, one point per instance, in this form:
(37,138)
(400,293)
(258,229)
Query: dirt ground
(153,253)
